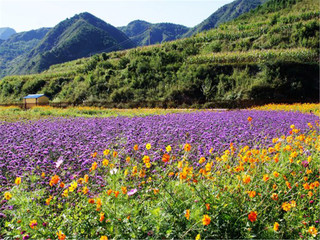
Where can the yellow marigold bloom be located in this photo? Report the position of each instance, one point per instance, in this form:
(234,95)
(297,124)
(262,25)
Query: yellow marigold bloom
(65,193)
(115,154)
(187,215)
(109,192)
(116,193)
(288,184)
(187,147)
(146,159)
(80,180)
(168,148)
(48,200)
(293,154)
(313,231)
(134,170)
(211,150)
(308,171)
(274,196)
(310,194)
(274,140)
(292,126)
(306,186)
(246,179)
(106,152)
(33,224)
(86,178)
(286,206)
(202,160)
(85,190)
(249,119)
(276,226)
(43,174)
(124,190)
(17,181)
(206,220)
(136,147)
(198,237)
(128,159)
(148,146)
(7,195)
(61,235)
(208,166)
(293,203)
(180,164)
(148,165)
(104,238)
(252,194)
(265,177)
(105,162)
(276,174)
(94,166)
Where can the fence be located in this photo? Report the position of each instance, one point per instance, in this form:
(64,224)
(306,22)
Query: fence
(228,104)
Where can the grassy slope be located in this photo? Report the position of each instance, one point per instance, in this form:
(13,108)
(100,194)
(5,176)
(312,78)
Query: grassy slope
(269,53)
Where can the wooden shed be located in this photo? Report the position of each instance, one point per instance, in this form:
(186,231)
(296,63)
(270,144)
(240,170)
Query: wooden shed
(35,100)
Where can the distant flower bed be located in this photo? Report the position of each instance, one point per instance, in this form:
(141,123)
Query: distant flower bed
(237,174)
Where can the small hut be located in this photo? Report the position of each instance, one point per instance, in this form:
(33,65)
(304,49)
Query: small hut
(35,100)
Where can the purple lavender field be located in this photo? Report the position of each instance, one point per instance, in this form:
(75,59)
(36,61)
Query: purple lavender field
(36,146)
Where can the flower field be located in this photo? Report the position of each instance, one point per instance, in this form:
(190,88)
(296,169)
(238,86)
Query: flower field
(231,174)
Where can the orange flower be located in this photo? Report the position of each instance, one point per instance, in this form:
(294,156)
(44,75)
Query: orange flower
(94,154)
(206,220)
(94,166)
(115,154)
(61,236)
(101,216)
(109,192)
(249,119)
(252,194)
(187,215)
(202,160)
(86,178)
(91,200)
(104,238)
(313,231)
(276,174)
(136,147)
(43,174)
(252,216)
(286,206)
(146,159)
(62,184)
(155,191)
(293,203)
(274,196)
(33,224)
(116,193)
(276,226)
(265,177)
(288,185)
(187,147)
(105,162)
(124,190)
(208,206)
(246,179)
(85,190)
(54,180)
(165,157)
(17,181)
(48,200)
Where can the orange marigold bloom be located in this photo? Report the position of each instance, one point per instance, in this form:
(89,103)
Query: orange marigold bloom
(265,177)
(146,159)
(252,216)
(86,178)
(104,238)
(136,147)
(48,200)
(109,192)
(313,231)
(187,147)
(206,220)
(165,157)
(252,194)
(62,184)
(286,206)
(17,181)
(105,162)
(249,119)
(202,160)
(85,190)
(94,154)
(43,174)
(94,166)
(54,180)
(288,185)
(124,190)
(276,174)
(101,216)
(246,179)
(61,236)
(293,203)
(116,193)
(91,200)
(276,226)
(115,154)
(306,186)
(208,206)
(33,224)
(187,215)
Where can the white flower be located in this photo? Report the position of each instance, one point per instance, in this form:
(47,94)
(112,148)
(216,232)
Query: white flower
(59,162)
(113,171)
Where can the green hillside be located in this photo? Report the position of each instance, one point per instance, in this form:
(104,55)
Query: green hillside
(79,36)
(224,14)
(269,53)
(144,33)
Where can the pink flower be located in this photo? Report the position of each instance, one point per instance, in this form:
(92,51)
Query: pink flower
(132,191)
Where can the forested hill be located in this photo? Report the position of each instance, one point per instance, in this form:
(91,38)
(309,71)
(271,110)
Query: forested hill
(79,36)
(6,32)
(144,33)
(269,53)
(224,14)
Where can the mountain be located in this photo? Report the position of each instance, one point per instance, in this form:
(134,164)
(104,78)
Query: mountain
(224,14)
(145,33)
(18,45)
(77,37)
(6,32)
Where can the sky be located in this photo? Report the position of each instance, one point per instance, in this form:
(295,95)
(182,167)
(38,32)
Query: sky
(25,15)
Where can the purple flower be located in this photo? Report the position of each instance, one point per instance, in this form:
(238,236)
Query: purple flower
(132,191)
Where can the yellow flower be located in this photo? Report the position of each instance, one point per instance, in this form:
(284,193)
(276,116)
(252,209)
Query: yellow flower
(206,220)
(187,215)
(85,190)
(187,147)
(198,237)
(246,179)
(61,235)
(265,177)
(136,147)
(65,193)
(148,146)
(276,174)
(313,231)
(286,206)
(168,148)
(7,195)
(86,178)
(106,152)
(202,160)
(18,180)
(252,194)
(104,238)
(276,226)
(94,166)
(105,162)
(115,154)
(33,224)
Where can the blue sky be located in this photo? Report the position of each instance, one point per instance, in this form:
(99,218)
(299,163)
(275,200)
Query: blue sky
(24,15)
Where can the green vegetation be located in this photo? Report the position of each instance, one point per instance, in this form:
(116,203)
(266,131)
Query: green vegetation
(144,33)
(269,53)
